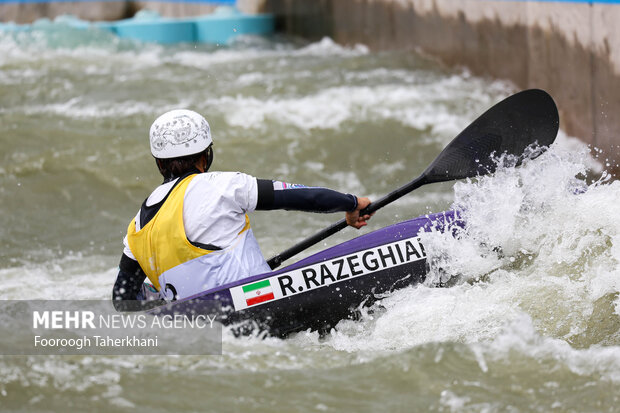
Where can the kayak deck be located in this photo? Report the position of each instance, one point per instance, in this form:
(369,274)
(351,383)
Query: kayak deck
(318,291)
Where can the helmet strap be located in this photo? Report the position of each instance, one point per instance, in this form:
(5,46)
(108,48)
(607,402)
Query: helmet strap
(209,154)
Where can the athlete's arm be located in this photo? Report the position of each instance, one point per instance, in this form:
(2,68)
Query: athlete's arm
(128,283)
(280,195)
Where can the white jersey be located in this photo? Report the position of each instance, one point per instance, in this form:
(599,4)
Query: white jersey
(214,208)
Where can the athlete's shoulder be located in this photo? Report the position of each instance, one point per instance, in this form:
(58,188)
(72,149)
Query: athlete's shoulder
(224,177)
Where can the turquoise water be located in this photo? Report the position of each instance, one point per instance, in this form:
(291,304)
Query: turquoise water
(530,326)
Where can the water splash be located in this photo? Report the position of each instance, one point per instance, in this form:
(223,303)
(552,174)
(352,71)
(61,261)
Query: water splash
(538,242)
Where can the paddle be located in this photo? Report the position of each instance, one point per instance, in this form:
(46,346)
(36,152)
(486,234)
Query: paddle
(510,126)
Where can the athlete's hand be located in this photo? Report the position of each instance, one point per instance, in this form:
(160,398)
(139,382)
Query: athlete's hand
(354,219)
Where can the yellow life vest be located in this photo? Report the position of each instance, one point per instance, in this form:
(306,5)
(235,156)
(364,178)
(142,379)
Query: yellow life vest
(162,243)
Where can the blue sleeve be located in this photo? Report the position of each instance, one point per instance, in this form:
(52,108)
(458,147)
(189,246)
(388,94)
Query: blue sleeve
(281,195)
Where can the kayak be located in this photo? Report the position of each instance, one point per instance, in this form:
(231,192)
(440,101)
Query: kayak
(317,292)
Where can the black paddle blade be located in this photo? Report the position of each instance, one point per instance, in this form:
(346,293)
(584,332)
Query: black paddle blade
(508,127)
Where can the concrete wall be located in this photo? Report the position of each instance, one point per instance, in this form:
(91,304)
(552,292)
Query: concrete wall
(181,9)
(570,49)
(177,9)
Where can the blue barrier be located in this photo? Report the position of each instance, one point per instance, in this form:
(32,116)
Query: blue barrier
(220,27)
(164,31)
(147,26)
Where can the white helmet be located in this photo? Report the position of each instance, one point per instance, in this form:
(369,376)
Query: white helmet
(179,133)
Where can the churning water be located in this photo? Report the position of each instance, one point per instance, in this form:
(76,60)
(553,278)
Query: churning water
(521,311)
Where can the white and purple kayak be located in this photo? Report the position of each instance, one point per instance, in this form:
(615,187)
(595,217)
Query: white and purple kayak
(317,292)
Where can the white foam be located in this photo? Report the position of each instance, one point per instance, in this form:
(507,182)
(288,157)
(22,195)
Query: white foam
(75,108)
(328,109)
(521,336)
(412,98)
(327,47)
(419,107)
(533,249)
(73,277)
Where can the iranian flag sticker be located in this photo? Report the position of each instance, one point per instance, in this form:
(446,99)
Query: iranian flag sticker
(258,292)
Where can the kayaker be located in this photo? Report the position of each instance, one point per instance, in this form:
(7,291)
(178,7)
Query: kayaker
(192,233)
